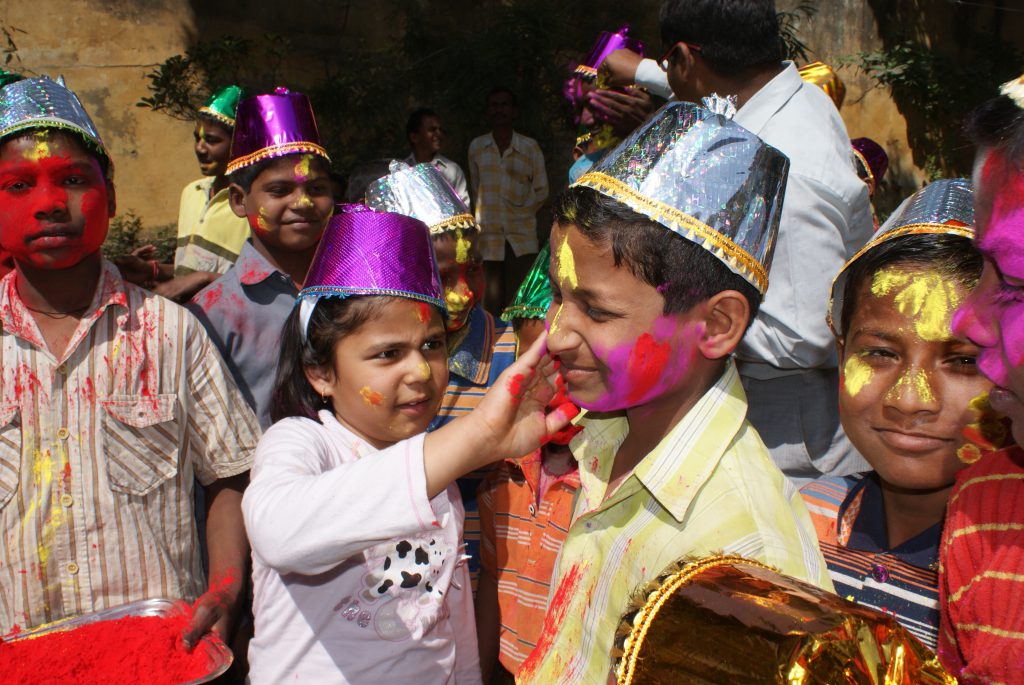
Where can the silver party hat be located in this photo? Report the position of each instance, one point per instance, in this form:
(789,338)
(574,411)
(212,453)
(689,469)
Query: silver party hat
(420,192)
(705,177)
(941,207)
(45,103)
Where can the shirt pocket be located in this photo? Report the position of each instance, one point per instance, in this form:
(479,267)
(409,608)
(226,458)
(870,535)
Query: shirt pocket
(141,435)
(520,183)
(10,452)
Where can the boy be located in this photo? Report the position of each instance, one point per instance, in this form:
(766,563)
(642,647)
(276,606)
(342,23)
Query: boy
(279,180)
(114,401)
(525,507)
(426,137)
(982,559)
(659,257)
(907,385)
(479,348)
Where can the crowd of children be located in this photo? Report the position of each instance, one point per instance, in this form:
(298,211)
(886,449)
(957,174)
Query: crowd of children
(332,448)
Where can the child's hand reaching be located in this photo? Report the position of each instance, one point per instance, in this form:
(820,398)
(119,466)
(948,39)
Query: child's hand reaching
(510,421)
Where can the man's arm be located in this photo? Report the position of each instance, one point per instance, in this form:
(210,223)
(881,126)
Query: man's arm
(540,178)
(228,550)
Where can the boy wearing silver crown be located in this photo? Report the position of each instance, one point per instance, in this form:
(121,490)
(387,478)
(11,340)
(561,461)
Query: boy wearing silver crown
(113,401)
(659,261)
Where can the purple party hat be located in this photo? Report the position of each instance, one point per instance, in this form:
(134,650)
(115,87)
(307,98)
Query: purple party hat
(364,252)
(607,43)
(273,125)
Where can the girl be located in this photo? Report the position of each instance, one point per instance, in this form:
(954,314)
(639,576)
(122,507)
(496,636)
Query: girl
(354,522)
(911,401)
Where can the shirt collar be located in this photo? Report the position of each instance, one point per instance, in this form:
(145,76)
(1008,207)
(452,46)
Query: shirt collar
(437,160)
(513,145)
(680,465)
(756,112)
(17,320)
(868,532)
(253,268)
(471,360)
(531,466)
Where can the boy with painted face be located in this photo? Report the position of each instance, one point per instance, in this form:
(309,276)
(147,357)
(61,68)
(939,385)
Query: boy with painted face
(910,400)
(280,183)
(982,555)
(113,401)
(659,257)
(479,346)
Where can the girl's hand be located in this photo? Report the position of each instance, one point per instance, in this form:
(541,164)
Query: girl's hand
(513,412)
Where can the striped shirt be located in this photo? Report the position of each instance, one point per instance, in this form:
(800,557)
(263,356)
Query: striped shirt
(709,486)
(100,450)
(488,348)
(849,516)
(982,572)
(210,234)
(519,546)
(509,188)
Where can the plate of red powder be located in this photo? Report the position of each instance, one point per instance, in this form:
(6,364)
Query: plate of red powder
(133,643)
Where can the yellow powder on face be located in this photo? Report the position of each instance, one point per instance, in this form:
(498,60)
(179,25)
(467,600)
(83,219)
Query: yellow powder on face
(912,381)
(929,297)
(554,321)
(41,149)
(856,374)
(304,201)
(371,397)
(457,298)
(202,133)
(424,369)
(461,248)
(261,219)
(567,265)
(302,167)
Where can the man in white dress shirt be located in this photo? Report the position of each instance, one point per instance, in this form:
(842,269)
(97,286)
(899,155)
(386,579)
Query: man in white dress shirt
(426,136)
(787,359)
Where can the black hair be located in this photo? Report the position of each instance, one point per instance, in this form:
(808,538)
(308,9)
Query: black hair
(331,320)
(246,176)
(952,255)
(998,123)
(87,145)
(415,121)
(685,273)
(501,89)
(734,35)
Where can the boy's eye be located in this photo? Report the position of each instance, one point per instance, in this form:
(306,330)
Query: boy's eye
(387,354)
(597,314)
(876,353)
(963,362)
(1008,293)
(16,186)
(433,344)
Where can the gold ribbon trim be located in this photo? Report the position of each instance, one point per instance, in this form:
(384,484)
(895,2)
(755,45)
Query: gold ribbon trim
(276,151)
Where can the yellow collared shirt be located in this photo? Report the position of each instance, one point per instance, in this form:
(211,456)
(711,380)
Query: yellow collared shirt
(210,235)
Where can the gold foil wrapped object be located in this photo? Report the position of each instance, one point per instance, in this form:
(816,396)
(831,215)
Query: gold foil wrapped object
(734,621)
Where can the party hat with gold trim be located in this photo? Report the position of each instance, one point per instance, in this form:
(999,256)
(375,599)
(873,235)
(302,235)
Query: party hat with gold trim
(825,77)
(420,192)
(705,177)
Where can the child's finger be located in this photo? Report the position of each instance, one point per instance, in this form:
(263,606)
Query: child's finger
(560,417)
(532,357)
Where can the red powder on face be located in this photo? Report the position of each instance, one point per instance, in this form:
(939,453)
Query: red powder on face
(552,621)
(647,361)
(371,397)
(129,650)
(423,312)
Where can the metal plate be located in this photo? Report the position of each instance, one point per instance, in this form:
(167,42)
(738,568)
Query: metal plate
(218,652)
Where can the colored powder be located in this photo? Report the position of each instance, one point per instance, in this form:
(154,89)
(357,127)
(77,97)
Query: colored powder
(567,265)
(856,374)
(41,150)
(424,369)
(302,168)
(458,297)
(553,620)
(930,298)
(916,381)
(646,363)
(461,248)
(987,431)
(515,387)
(553,328)
(371,397)
(135,649)
(422,312)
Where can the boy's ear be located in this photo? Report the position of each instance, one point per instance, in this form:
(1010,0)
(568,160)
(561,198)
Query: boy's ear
(111,199)
(236,197)
(726,316)
(321,378)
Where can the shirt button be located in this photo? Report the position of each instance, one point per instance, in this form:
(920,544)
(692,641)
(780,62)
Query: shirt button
(67,500)
(72,568)
(880,573)
(533,510)
(62,369)
(63,433)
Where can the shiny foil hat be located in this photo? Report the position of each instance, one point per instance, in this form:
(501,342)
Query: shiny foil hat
(726,619)
(705,177)
(364,252)
(420,191)
(273,125)
(534,294)
(45,103)
(222,105)
(872,160)
(606,44)
(823,76)
(941,207)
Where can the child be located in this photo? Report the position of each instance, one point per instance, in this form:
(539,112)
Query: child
(113,401)
(982,562)
(525,507)
(280,182)
(353,517)
(907,385)
(659,259)
(479,348)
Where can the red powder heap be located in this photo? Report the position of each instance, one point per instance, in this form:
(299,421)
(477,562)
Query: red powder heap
(136,649)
